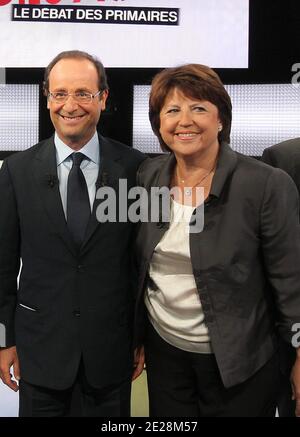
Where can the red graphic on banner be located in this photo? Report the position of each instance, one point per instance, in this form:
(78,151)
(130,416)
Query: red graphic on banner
(38,2)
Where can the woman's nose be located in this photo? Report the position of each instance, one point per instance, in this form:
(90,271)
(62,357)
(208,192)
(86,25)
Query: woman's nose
(186,118)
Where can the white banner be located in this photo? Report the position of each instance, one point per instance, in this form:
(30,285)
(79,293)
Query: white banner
(126,33)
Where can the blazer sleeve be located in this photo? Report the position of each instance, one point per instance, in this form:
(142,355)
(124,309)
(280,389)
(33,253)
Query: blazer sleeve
(9,255)
(280,235)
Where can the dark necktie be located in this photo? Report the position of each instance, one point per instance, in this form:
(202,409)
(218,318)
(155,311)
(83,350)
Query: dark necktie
(78,204)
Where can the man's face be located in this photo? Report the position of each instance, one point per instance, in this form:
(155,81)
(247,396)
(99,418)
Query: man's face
(75,123)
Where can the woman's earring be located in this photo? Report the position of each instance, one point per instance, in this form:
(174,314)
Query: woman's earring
(220,128)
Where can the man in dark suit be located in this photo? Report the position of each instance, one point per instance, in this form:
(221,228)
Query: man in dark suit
(285,155)
(70,319)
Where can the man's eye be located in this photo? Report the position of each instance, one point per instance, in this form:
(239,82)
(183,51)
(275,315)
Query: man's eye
(60,95)
(82,94)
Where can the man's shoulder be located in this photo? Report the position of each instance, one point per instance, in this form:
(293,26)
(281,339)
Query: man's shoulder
(283,155)
(26,156)
(123,150)
(285,147)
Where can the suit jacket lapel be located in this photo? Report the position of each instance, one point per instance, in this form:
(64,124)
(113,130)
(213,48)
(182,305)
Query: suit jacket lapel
(45,172)
(110,172)
(296,167)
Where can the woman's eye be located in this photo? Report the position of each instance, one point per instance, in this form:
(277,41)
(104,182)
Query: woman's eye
(169,111)
(199,108)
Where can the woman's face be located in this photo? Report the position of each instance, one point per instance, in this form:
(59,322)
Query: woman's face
(189,126)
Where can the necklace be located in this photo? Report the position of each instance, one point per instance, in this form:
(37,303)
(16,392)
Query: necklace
(188,190)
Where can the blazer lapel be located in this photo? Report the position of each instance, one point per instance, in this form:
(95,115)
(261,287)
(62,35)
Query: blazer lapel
(45,172)
(110,172)
(227,162)
(158,229)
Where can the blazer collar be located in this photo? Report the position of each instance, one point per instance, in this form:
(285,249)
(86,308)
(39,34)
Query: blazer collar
(226,164)
(165,175)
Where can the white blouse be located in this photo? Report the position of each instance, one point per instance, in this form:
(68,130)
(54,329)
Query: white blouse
(172,297)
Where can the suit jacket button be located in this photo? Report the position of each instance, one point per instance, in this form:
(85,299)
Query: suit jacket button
(80,268)
(76,313)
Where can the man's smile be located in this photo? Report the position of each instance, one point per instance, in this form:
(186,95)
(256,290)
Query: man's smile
(72,117)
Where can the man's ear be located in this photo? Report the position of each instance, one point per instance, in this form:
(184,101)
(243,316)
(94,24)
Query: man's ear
(103,99)
(45,92)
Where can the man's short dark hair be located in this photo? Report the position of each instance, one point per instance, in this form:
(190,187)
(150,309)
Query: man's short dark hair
(77,54)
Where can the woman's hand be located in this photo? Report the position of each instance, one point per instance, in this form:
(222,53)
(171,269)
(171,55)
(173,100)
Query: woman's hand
(138,362)
(295,382)
(8,358)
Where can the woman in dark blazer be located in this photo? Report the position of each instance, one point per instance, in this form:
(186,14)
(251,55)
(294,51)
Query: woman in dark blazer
(210,301)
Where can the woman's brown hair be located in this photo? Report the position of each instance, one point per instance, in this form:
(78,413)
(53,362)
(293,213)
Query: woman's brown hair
(195,81)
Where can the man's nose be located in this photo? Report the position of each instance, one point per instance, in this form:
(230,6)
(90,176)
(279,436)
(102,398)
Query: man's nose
(70,105)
